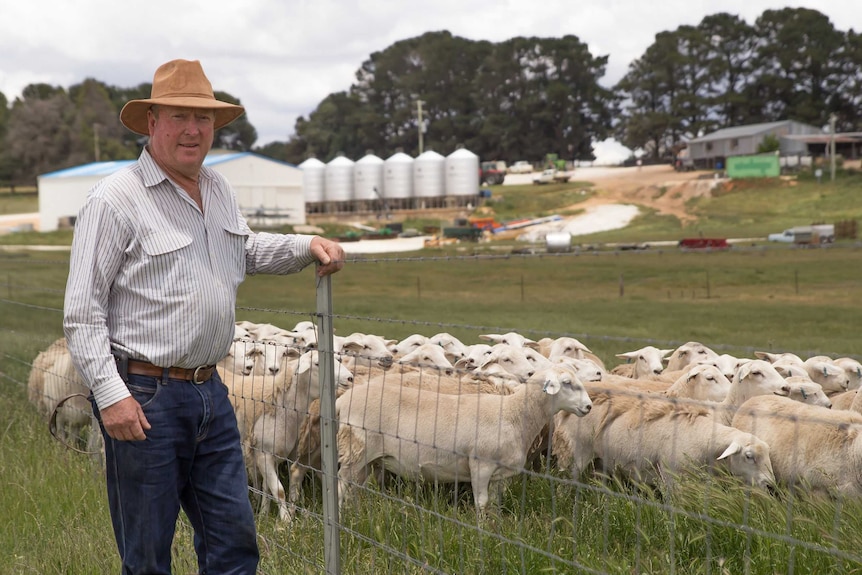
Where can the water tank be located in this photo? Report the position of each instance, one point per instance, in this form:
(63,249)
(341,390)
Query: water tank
(398,176)
(462,173)
(368,176)
(339,179)
(429,172)
(313,180)
(556,242)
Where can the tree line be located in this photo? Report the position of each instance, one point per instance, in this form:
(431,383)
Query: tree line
(518,99)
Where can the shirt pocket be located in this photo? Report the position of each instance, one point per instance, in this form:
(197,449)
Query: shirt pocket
(169,263)
(232,253)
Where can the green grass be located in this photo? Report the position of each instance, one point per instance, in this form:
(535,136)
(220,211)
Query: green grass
(765,297)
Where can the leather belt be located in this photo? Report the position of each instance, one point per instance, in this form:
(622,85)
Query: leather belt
(198,374)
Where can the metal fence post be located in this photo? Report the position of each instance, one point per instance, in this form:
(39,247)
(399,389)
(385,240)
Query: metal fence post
(328,427)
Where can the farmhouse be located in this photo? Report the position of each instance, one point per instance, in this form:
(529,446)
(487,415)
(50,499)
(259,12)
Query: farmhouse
(268,191)
(712,150)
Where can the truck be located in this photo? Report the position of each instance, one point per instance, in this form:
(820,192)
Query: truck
(814,234)
(491,174)
(552,176)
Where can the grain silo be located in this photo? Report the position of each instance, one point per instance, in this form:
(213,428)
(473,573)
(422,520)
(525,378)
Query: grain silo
(462,177)
(339,184)
(398,180)
(368,178)
(313,182)
(429,186)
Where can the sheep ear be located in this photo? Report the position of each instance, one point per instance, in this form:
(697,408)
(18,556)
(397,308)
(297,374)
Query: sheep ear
(743,371)
(532,344)
(552,386)
(732,449)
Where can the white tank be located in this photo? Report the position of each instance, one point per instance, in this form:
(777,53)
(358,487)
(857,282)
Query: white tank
(462,173)
(368,176)
(339,179)
(398,176)
(429,172)
(313,180)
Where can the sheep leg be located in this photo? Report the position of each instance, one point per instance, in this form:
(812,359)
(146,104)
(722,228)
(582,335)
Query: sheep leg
(267,467)
(297,476)
(480,479)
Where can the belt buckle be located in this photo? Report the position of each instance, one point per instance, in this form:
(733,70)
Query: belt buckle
(195,374)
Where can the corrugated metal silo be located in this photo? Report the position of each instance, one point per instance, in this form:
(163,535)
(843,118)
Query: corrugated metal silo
(339,179)
(368,176)
(313,180)
(428,175)
(462,173)
(398,176)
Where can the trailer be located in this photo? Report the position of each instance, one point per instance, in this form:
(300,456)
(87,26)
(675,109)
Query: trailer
(704,244)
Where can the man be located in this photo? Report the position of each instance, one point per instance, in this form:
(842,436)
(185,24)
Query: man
(159,251)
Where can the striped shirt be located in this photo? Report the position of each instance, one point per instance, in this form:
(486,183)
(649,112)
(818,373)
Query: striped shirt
(151,275)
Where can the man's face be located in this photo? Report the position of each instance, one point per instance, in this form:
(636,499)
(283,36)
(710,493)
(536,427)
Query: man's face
(180,138)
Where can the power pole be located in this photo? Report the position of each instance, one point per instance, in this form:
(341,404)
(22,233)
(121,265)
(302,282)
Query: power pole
(96,140)
(832,120)
(421,124)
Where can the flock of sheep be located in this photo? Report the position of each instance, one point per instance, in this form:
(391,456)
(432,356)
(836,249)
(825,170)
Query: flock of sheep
(436,409)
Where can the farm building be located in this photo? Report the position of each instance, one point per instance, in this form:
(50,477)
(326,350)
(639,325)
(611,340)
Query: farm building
(712,150)
(269,192)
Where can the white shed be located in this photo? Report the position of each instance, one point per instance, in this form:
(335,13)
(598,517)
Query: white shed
(268,192)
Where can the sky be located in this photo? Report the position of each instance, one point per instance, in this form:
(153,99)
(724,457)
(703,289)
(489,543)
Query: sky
(282,57)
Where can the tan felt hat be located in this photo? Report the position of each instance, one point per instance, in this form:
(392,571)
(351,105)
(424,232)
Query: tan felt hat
(180,83)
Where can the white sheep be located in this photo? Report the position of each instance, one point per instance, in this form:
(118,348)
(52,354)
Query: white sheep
(66,394)
(653,439)
(810,446)
(572,441)
(474,356)
(43,363)
(511,338)
(243,358)
(687,354)
(702,382)
(275,431)
(408,344)
(513,359)
(853,369)
(448,438)
(643,363)
(832,377)
(454,347)
(773,357)
(807,391)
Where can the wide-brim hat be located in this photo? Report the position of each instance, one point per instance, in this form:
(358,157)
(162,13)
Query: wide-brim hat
(180,83)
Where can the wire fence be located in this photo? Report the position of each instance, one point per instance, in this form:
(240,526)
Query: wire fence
(460,458)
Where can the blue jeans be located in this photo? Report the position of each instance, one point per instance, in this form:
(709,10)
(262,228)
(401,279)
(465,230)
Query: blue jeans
(191,459)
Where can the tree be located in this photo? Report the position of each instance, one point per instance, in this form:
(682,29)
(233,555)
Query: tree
(729,62)
(40,137)
(796,65)
(770,143)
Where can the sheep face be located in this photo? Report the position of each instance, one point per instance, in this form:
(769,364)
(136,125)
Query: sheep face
(407,344)
(648,361)
(806,391)
(567,347)
(560,382)
(853,369)
(689,353)
(748,458)
(274,357)
(758,377)
(832,377)
(708,382)
(512,359)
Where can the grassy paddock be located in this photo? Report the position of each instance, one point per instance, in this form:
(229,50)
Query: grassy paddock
(782,299)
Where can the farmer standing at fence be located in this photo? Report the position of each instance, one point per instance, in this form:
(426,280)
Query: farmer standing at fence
(159,251)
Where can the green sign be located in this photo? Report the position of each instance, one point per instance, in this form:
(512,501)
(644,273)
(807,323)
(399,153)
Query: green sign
(764,166)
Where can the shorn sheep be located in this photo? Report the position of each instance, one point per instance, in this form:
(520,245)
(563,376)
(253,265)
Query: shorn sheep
(810,446)
(449,438)
(652,439)
(275,432)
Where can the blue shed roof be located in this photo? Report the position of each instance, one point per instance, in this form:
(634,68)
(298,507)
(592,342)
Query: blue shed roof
(102,169)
